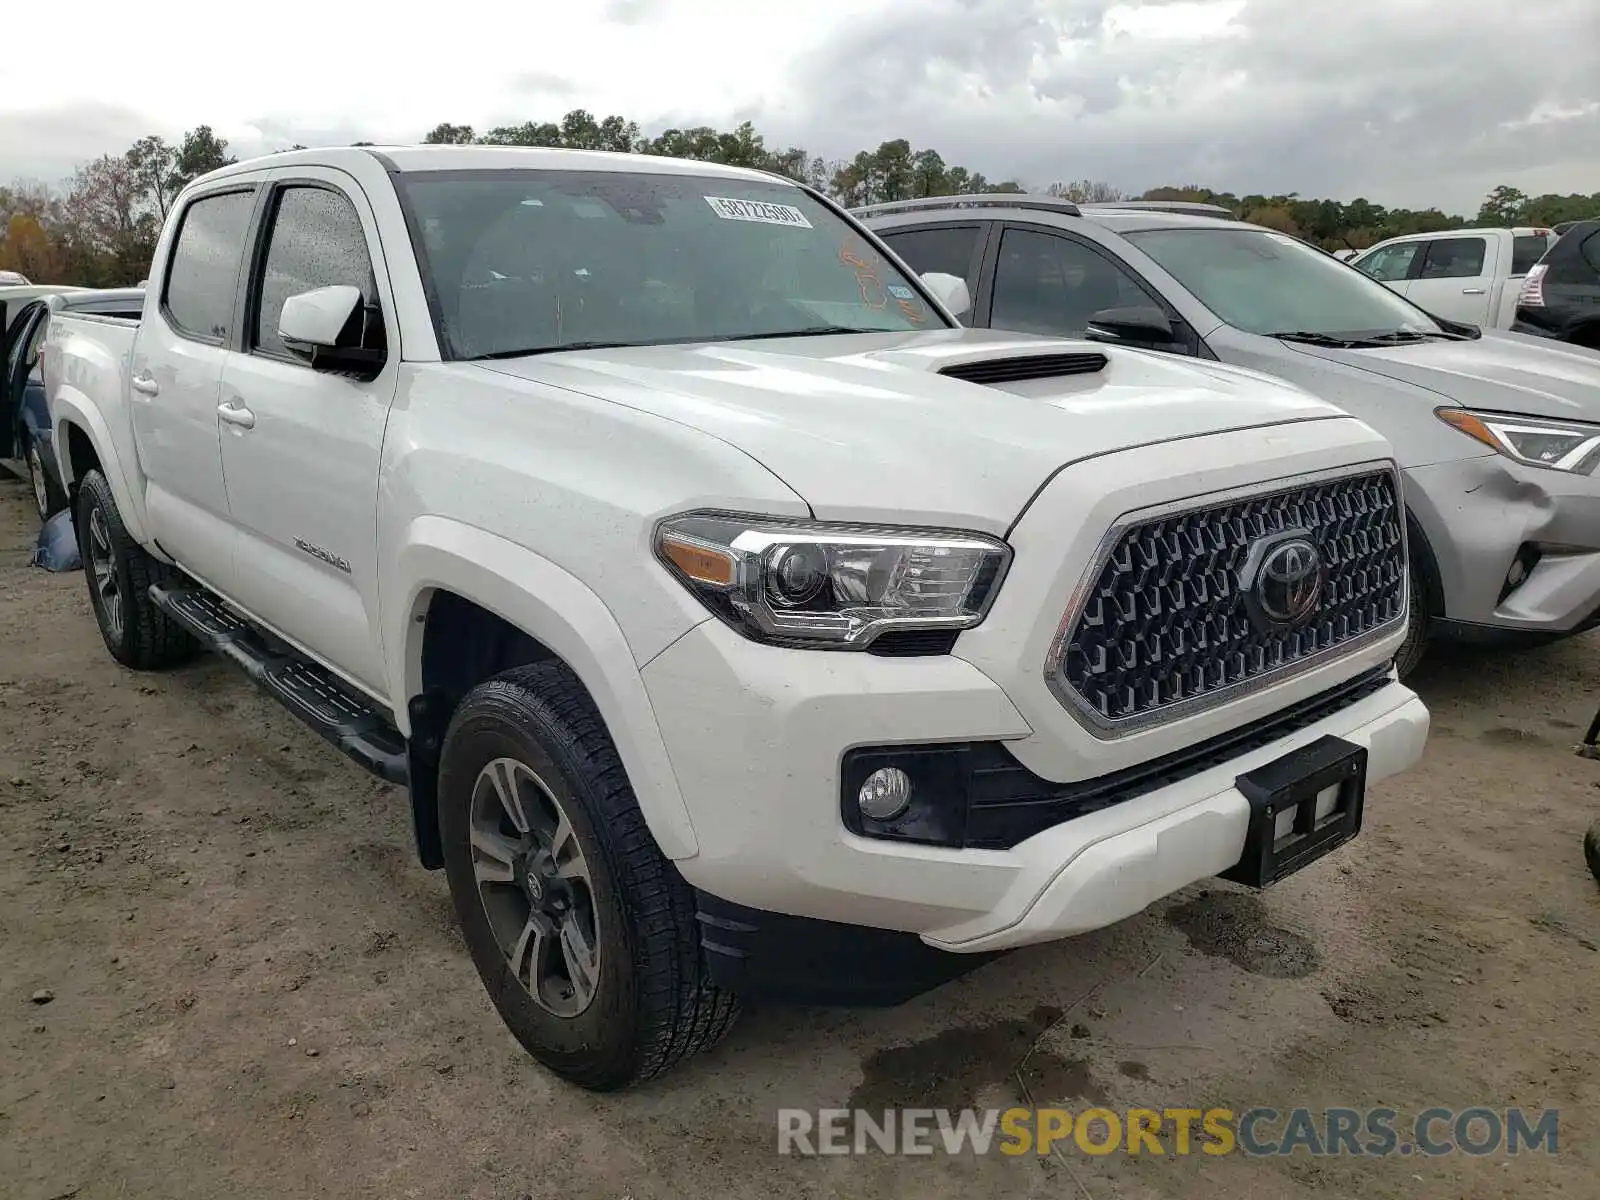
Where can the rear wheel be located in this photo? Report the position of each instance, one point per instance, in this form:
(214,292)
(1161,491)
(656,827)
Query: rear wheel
(47,496)
(584,934)
(120,572)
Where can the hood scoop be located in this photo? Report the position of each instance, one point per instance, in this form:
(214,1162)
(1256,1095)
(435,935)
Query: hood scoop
(1032,366)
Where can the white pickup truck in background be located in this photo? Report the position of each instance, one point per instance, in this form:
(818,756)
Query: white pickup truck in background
(739,622)
(1471,275)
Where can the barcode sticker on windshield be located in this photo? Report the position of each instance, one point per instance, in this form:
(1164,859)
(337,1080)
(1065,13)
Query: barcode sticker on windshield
(759,211)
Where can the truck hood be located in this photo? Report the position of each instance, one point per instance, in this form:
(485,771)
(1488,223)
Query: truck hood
(863,426)
(1504,372)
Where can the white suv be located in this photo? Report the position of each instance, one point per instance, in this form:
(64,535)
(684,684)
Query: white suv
(738,621)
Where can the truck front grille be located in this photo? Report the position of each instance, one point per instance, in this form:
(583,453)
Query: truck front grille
(1172,618)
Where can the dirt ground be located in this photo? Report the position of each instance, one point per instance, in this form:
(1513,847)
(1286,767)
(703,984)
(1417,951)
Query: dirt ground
(257,993)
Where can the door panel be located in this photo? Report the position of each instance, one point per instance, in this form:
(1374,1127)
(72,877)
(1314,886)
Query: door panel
(21,337)
(175,373)
(302,469)
(1456,278)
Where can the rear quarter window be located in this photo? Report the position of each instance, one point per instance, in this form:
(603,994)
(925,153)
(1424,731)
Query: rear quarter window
(1591,250)
(1527,249)
(946,248)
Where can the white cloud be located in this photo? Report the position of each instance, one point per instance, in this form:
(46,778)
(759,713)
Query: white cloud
(1406,101)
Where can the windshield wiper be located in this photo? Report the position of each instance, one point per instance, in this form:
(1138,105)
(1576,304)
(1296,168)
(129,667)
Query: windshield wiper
(803,331)
(1403,336)
(550,350)
(1312,338)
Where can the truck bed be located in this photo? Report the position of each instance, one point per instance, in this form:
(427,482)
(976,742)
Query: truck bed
(87,358)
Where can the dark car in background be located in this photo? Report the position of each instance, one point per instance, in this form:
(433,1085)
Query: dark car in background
(1561,297)
(25,430)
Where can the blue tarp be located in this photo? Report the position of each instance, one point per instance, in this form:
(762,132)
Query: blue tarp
(57,547)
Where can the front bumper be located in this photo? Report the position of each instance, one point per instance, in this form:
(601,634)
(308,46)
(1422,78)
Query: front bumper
(756,735)
(1481,514)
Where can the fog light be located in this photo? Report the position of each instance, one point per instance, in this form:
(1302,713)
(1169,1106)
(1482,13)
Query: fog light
(1522,566)
(885,794)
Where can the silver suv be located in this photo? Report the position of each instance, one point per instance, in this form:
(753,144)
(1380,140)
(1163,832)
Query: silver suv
(1498,434)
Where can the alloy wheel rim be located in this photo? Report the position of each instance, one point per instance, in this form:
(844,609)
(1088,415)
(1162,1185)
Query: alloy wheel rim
(534,884)
(41,495)
(103,571)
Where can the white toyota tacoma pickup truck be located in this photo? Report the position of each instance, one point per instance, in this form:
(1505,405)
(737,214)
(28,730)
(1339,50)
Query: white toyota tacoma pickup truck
(740,624)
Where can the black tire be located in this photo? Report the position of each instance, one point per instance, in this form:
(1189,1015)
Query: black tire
(47,495)
(1591,850)
(652,1002)
(1417,625)
(141,636)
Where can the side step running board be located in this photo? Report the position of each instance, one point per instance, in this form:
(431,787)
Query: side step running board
(306,689)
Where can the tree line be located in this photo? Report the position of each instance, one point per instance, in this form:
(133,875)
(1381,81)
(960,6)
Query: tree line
(99,228)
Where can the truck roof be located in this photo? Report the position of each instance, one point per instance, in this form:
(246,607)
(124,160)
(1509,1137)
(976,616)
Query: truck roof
(1472,231)
(408,159)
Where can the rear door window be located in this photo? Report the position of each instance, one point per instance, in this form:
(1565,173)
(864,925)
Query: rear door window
(950,249)
(16,341)
(1454,258)
(203,270)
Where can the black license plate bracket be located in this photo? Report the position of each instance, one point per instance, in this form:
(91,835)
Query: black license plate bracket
(1300,784)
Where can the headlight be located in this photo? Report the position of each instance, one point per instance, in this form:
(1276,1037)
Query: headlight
(1558,445)
(828,586)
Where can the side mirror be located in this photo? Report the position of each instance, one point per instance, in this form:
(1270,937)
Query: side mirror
(1130,325)
(951,290)
(327,327)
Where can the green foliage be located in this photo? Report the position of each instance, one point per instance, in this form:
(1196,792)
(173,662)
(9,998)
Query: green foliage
(100,227)
(1360,223)
(1086,191)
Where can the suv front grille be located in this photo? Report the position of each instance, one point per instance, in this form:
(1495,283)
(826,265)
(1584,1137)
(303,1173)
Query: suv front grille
(1166,625)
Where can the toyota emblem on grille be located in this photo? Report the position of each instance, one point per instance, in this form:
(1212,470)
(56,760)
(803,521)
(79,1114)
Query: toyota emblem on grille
(1283,582)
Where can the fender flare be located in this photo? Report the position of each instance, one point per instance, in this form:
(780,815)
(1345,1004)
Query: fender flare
(70,407)
(560,611)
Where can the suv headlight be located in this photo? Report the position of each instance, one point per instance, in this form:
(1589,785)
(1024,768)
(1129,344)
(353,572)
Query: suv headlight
(806,583)
(1559,445)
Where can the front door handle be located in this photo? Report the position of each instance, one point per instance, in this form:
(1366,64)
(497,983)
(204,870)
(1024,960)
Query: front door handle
(1472,291)
(145,384)
(237,414)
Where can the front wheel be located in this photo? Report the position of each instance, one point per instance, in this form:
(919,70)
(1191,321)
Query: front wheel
(1416,643)
(120,572)
(584,934)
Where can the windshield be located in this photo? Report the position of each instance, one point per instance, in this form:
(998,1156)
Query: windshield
(1269,283)
(521,261)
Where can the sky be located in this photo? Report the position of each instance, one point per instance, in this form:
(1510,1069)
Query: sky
(1405,102)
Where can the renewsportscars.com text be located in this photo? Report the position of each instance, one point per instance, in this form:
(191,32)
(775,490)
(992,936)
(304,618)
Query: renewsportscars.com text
(1255,1132)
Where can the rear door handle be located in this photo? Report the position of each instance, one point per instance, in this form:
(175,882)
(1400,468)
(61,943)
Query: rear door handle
(145,384)
(237,414)
(1472,291)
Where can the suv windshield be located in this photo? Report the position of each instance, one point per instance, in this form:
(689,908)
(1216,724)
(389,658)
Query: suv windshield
(1265,282)
(522,262)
